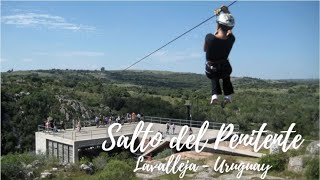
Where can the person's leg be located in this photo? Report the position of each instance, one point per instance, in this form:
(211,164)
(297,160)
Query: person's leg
(216,90)
(227,88)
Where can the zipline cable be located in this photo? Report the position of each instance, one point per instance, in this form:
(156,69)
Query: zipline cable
(174,39)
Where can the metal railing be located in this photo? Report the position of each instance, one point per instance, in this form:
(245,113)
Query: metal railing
(85,134)
(77,135)
(182,122)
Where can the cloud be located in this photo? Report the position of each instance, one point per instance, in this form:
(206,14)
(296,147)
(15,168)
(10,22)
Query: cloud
(166,56)
(82,53)
(72,54)
(43,20)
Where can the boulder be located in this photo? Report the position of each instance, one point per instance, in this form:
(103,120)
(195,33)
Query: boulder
(86,168)
(274,148)
(46,174)
(296,164)
(313,148)
(30,174)
(54,169)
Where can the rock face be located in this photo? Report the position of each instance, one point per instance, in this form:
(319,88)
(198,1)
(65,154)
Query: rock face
(296,164)
(67,104)
(313,148)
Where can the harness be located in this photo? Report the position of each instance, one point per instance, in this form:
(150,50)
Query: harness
(210,64)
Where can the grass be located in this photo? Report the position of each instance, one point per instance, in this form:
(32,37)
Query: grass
(264,151)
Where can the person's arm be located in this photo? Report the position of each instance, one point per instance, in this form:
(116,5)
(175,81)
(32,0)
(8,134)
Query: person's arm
(205,46)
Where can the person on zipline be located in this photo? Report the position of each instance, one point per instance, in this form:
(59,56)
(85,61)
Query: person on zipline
(217,47)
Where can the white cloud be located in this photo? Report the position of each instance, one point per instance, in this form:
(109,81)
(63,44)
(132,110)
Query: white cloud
(166,56)
(72,54)
(43,20)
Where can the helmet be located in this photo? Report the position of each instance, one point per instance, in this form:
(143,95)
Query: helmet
(226,19)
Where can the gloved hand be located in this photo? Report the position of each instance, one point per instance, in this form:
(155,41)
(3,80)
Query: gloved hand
(223,9)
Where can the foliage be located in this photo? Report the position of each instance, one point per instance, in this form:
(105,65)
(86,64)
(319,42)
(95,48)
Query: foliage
(278,161)
(100,161)
(14,166)
(117,169)
(312,168)
(163,154)
(84,160)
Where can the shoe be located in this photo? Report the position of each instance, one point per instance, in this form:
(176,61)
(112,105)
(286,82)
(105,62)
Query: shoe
(226,101)
(214,101)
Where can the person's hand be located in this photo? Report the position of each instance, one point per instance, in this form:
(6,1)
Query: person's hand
(217,11)
(224,9)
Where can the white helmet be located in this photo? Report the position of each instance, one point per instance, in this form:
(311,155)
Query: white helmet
(226,19)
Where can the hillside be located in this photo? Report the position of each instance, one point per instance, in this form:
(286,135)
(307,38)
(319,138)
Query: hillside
(29,97)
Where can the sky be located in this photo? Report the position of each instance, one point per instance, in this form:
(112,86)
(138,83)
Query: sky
(274,40)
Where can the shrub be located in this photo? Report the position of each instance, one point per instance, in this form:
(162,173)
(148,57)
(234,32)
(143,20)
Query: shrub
(116,169)
(84,160)
(163,154)
(13,165)
(312,168)
(100,161)
(278,161)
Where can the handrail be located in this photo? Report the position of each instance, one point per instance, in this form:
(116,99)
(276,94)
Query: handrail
(182,122)
(179,122)
(74,134)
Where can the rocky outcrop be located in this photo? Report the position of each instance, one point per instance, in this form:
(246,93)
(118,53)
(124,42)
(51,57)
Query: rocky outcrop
(296,164)
(69,106)
(313,148)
